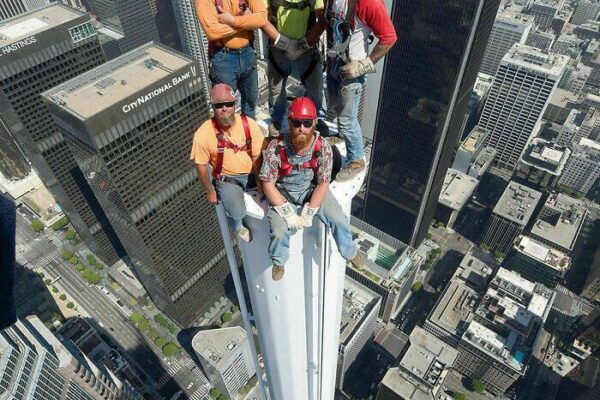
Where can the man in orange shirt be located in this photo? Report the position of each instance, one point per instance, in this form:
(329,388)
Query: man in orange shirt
(232,145)
(228,24)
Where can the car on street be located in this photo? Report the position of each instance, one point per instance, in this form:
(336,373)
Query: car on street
(190,385)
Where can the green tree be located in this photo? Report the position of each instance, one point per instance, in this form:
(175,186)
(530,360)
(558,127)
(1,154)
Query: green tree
(428,236)
(91,259)
(160,342)
(162,320)
(136,317)
(478,385)
(214,393)
(79,267)
(47,282)
(499,255)
(153,333)
(143,325)
(63,297)
(70,305)
(70,234)
(417,286)
(484,247)
(99,267)
(37,225)
(74,260)
(54,289)
(222,397)
(61,223)
(91,277)
(226,317)
(234,309)
(66,255)
(170,349)
(459,396)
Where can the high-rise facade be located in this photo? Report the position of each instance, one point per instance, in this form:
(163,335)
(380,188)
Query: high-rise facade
(583,168)
(131,18)
(12,8)
(41,49)
(193,39)
(509,28)
(130,124)
(586,11)
(35,365)
(427,80)
(523,85)
(544,11)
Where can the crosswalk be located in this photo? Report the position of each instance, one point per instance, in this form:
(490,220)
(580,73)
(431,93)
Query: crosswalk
(168,375)
(190,364)
(199,394)
(42,262)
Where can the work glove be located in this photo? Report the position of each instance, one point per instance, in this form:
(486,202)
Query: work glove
(306,217)
(288,213)
(284,43)
(356,68)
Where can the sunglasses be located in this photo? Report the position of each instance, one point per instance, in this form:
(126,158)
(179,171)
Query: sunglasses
(297,123)
(227,104)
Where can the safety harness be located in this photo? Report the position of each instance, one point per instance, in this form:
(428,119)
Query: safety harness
(339,31)
(288,5)
(286,167)
(215,45)
(223,143)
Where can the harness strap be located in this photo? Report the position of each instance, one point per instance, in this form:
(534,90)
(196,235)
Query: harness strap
(286,167)
(223,143)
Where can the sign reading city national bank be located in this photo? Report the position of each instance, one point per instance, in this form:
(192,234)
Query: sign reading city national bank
(17,45)
(167,86)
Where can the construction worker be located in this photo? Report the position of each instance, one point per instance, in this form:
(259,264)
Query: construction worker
(294,27)
(231,143)
(296,172)
(350,23)
(229,27)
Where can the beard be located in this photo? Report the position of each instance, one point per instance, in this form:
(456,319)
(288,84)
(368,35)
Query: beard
(300,140)
(225,121)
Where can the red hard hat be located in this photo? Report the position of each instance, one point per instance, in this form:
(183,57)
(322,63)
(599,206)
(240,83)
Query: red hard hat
(302,108)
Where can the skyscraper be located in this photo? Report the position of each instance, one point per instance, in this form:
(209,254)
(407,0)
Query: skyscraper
(130,124)
(523,85)
(131,18)
(509,28)
(427,80)
(37,366)
(12,8)
(39,50)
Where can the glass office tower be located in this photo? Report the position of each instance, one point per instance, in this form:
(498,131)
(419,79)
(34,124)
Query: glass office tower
(427,79)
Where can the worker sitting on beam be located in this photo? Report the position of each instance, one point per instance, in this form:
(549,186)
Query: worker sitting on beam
(296,172)
(231,143)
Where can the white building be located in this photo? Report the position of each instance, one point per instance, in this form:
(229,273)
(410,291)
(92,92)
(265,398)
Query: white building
(509,28)
(518,98)
(35,365)
(226,358)
(583,168)
(193,38)
(11,8)
(586,11)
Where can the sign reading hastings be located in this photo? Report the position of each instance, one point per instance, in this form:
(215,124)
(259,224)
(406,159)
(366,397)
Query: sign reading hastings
(17,45)
(149,96)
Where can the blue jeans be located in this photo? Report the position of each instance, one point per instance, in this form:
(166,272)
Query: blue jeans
(343,100)
(313,82)
(330,214)
(231,197)
(238,70)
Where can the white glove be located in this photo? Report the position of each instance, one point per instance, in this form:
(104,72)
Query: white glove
(288,213)
(306,217)
(356,68)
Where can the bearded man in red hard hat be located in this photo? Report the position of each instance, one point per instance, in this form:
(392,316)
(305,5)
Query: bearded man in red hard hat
(296,172)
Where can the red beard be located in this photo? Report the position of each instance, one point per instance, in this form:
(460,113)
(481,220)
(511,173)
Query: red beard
(300,140)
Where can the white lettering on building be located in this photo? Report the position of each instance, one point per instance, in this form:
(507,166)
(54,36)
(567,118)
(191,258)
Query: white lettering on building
(169,85)
(17,45)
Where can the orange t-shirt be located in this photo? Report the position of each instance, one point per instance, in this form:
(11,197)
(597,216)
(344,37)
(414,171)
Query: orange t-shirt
(237,36)
(204,146)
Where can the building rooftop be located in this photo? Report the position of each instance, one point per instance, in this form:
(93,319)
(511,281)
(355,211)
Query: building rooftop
(217,345)
(517,203)
(130,75)
(493,344)
(535,60)
(454,307)
(563,98)
(513,283)
(546,156)
(457,189)
(592,144)
(474,272)
(423,367)
(537,297)
(14,30)
(475,139)
(560,221)
(542,253)
(357,304)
